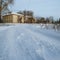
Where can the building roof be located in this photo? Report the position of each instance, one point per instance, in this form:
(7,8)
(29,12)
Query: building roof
(13,13)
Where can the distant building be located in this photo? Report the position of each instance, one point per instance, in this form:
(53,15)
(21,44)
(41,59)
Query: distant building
(18,18)
(13,18)
(28,16)
(29,19)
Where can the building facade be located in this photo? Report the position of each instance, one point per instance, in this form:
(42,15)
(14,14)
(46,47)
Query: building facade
(18,18)
(13,18)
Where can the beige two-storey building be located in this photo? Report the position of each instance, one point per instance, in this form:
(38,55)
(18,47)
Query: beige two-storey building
(13,18)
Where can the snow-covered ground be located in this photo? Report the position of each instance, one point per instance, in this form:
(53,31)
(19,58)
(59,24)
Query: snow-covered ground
(29,42)
(55,27)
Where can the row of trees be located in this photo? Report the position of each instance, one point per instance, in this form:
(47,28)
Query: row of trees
(58,21)
(26,13)
(39,19)
(47,20)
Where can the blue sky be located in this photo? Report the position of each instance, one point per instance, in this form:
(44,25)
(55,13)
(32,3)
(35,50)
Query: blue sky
(44,8)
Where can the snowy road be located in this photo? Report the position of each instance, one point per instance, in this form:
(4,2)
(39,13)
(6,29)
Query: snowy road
(29,42)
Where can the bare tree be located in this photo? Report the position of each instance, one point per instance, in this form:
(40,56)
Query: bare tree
(4,6)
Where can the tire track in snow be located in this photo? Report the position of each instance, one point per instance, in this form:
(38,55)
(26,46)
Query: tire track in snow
(28,41)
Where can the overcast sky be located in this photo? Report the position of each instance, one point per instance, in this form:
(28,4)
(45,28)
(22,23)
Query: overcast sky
(43,8)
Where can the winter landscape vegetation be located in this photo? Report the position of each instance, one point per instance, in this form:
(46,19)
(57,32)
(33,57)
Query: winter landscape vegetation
(25,36)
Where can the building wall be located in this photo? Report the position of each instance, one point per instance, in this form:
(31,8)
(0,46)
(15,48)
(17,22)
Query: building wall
(22,19)
(15,18)
(10,18)
(7,19)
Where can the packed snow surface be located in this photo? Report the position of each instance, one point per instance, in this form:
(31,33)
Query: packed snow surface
(29,42)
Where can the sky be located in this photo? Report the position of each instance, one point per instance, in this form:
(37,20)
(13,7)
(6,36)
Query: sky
(42,8)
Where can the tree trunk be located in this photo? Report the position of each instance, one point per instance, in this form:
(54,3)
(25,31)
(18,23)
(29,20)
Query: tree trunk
(0,11)
(0,17)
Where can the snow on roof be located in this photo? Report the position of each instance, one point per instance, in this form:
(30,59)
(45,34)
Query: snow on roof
(13,13)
